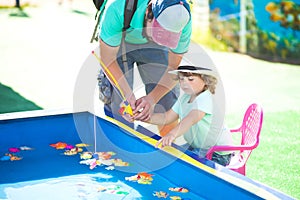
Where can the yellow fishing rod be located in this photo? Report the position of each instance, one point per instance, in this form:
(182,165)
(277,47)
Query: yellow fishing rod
(125,107)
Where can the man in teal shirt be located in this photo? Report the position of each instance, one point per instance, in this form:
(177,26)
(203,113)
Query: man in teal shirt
(158,36)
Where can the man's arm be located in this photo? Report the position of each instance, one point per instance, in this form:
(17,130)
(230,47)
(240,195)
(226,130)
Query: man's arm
(165,84)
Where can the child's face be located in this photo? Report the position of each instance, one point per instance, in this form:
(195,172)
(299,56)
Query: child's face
(192,84)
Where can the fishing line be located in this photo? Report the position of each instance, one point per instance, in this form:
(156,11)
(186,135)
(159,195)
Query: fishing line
(125,106)
(95,135)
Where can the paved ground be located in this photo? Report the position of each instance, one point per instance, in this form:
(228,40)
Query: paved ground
(43,49)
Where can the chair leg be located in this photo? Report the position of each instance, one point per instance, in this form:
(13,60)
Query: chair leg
(241,170)
(244,170)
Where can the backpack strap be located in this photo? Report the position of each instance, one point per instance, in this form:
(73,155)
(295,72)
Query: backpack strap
(130,7)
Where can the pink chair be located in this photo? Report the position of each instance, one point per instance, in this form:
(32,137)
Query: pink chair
(250,131)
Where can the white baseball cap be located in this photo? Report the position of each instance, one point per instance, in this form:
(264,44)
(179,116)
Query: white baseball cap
(170,17)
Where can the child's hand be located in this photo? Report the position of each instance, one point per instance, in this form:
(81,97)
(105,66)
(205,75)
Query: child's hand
(166,140)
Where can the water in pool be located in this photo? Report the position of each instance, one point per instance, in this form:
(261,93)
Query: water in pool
(45,172)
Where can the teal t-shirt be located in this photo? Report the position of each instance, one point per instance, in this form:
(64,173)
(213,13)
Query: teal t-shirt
(199,135)
(112,22)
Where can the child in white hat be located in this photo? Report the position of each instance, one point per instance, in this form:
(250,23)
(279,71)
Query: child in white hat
(194,110)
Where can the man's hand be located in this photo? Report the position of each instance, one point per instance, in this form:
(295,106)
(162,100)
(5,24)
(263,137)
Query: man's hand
(143,109)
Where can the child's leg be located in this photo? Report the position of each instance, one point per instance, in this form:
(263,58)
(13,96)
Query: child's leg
(221,159)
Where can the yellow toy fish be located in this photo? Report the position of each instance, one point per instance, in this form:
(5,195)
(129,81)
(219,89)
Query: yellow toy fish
(86,155)
(125,109)
(82,145)
(175,198)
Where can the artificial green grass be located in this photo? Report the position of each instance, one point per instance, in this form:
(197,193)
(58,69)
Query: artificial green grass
(276,161)
(11,101)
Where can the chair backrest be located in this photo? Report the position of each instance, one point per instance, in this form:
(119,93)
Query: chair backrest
(251,128)
(251,125)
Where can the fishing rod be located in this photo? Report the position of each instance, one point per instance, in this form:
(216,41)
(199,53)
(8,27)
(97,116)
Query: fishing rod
(125,107)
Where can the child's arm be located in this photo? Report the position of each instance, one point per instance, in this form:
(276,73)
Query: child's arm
(163,118)
(185,124)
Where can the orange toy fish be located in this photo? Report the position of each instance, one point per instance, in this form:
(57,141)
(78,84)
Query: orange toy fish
(105,155)
(145,176)
(59,145)
(13,157)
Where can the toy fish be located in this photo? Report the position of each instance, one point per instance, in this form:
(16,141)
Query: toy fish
(5,158)
(120,163)
(59,145)
(13,150)
(69,147)
(106,162)
(179,189)
(25,148)
(86,155)
(78,149)
(70,153)
(103,155)
(145,175)
(175,198)
(160,194)
(87,162)
(13,158)
(122,192)
(141,178)
(131,178)
(144,181)
(94,164)
(125,109)
(110,168)
(101,188)
(82,145)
